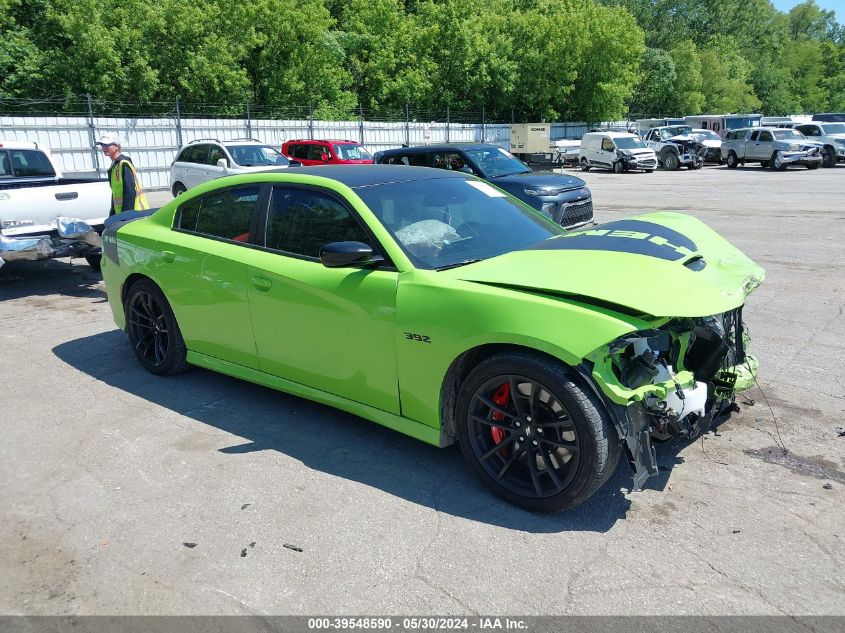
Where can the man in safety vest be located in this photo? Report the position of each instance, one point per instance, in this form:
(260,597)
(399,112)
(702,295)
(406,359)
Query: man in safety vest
(126,191)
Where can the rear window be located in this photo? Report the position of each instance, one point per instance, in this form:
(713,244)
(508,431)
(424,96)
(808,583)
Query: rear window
(224,214)
(20,163)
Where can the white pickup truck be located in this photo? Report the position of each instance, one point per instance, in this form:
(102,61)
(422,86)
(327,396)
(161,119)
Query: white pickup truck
(43,214)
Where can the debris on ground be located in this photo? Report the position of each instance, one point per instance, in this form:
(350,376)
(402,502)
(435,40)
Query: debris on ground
(840,431)
(190,545)
(828,486)
(245,506)
(293,547)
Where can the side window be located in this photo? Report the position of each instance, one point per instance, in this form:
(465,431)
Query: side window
(398,160)
(31,163)
(300,221)
(448,160)
(315,151)
(5,165)
(226,214)
(704,125)
(299,151)
(754,136)
(607,145)
(215,154)
(766,137)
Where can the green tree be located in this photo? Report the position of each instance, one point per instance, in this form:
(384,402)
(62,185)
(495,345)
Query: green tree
(725,75)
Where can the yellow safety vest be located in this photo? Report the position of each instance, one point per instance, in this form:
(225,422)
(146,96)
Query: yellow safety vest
(116,182)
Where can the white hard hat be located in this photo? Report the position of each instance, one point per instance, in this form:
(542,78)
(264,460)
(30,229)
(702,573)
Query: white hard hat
(109,138)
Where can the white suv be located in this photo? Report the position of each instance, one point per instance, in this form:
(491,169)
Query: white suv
(205,159)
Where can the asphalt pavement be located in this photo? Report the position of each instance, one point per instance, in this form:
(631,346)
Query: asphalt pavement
(125,493)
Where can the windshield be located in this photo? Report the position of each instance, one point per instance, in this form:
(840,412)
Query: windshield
(788,135)
(675,130)
(495,162)
(834,128)
(351,152)
(708,135)
(256,155)
(629,142)
(738,122)
(447,222)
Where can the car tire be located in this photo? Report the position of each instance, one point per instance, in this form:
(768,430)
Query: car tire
(585,166)
(550,461)
(94,260)
(775,162)
(814,165)
(828,157)
(671,162)
(732,160)
(618,167)
(649,171)
(178,189)
(153,331)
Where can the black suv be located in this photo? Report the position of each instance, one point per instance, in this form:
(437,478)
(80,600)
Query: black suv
(566,199)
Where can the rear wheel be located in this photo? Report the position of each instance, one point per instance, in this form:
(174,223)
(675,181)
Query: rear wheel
(153,332)
(532,435)
(733,160)
(585,166)
(178,189)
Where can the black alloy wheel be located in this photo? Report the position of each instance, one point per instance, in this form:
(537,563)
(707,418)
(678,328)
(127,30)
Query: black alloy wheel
(153,332)
(532,435)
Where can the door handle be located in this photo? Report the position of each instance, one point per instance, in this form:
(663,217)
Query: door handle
(262,283)
(70,195)
(168,256)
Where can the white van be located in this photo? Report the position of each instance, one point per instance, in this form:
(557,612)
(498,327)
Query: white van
(616,151)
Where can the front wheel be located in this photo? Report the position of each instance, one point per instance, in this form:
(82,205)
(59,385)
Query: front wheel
(671,162)
(532,435)
(828,157)
(618,167)
(153,332)
(776,162)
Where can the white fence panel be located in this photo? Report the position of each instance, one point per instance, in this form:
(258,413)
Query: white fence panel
(152,142)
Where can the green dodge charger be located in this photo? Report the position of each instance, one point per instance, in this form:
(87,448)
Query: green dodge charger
(437,305)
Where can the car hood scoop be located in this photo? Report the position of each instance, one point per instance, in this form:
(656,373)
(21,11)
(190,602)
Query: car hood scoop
(660,264)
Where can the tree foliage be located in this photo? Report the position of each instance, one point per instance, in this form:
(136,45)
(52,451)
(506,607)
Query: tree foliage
(530,59)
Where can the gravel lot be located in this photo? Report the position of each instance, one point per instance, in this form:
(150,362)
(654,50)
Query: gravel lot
(127,494)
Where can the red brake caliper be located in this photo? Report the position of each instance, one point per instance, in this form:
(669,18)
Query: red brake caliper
(500,397)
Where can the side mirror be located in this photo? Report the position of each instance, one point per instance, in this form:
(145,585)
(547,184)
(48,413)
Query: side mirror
(339,254)
(223,163)
(294,163)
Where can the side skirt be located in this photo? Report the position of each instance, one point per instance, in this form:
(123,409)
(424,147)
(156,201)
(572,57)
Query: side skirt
(407,426)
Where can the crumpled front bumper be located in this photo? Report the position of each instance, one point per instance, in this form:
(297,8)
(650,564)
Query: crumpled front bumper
(634,412)
(73,237)
(800,158)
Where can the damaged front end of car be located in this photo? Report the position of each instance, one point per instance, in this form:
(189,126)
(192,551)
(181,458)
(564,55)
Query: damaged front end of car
(675,380)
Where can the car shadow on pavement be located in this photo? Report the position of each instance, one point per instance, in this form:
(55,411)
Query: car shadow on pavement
(50,277)
(332,441)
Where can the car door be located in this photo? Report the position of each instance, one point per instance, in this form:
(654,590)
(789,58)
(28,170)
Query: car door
(764,145)
(328,328)
(752,145)
(207,285)
(215,153)
(196,172)
(607,152)
(651,140)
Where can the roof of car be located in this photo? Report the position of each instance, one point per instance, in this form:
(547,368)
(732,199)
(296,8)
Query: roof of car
(322,140)
(611,134)
(355,176)
(439,147)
